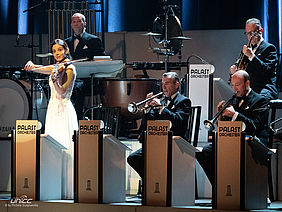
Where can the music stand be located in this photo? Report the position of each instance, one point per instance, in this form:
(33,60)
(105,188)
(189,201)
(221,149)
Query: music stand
(97,69)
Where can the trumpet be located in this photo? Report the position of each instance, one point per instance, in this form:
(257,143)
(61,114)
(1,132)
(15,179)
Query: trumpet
(243,61)
(209,124)
(136,107)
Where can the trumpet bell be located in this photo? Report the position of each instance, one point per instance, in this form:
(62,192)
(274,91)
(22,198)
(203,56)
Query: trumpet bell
(209,125)
(132,108)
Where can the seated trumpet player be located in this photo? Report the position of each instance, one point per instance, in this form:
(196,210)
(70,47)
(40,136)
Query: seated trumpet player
(259,59)
(248,107)
(173,107)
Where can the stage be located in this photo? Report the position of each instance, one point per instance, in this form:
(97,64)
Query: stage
(131,205)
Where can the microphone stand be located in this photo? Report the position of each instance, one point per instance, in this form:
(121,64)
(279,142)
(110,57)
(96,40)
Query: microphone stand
(32,46)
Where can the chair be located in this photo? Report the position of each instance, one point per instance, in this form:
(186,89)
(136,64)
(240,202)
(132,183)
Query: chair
(273,105)
(110,117)
(192,133)
(193,126)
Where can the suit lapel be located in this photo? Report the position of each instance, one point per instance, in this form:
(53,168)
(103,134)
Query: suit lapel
(261,48)
(71,44)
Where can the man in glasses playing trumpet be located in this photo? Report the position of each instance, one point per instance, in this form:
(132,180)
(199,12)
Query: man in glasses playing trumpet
(174,107)
(260,61)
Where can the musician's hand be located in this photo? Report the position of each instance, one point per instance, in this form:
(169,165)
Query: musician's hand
(149,95)
(233,69)
(155,102)
(29,66)
(229,112)
(61,67)
(248,52)
(220,105)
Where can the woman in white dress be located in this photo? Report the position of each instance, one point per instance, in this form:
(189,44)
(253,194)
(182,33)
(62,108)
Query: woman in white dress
(61,119)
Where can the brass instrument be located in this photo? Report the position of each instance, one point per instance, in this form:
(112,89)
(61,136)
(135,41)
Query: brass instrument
(243,60)
(136,107)
(209,124)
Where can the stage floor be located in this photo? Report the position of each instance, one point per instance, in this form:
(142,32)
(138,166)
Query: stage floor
(132,204)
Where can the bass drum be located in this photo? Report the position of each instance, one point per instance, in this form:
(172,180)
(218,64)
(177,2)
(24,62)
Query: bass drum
(15,104)
(119,93)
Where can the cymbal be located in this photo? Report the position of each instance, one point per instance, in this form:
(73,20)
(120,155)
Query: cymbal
(152,34)
(180,38)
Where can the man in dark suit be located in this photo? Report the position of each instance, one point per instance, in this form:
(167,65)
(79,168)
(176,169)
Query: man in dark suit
(262,61)
(174,107)
(82,45)
(248,107)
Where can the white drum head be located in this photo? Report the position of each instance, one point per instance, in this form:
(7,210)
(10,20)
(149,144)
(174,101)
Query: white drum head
(14,105)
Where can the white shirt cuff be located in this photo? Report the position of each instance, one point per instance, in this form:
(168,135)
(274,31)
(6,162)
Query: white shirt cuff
(234,116)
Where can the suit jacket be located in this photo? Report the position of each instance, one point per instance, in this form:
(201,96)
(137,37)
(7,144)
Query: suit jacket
(88,46)
(178,112)
(262,70)
(254,113)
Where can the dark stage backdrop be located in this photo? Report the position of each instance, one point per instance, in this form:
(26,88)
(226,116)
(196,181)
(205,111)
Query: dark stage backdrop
(138,15)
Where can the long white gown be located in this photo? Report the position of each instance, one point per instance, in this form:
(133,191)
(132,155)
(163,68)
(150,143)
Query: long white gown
(61,121)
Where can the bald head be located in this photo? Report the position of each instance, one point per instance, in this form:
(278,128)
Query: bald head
(240,83)
(242,74)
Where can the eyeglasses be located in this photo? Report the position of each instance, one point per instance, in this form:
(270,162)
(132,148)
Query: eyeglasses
(251,33)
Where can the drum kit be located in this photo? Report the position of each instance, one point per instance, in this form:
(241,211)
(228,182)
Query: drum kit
(21,99)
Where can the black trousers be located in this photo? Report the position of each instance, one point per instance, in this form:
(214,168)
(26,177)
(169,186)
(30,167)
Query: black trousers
(136,161)
(207,161)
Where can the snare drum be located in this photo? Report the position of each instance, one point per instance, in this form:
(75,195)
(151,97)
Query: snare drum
(15,101)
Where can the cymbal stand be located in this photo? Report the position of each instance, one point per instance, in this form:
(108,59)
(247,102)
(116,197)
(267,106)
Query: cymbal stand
(166,41)
(167,53)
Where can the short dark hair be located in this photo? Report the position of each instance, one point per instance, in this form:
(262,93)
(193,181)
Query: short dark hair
(172,75)
(254,21)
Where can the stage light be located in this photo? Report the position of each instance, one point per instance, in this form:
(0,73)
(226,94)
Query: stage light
(22,17)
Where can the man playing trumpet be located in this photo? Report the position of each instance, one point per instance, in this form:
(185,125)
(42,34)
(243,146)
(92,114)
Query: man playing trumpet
(248,107)
(174,107)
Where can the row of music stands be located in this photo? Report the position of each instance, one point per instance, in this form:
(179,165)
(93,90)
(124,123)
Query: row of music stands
(169,167)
